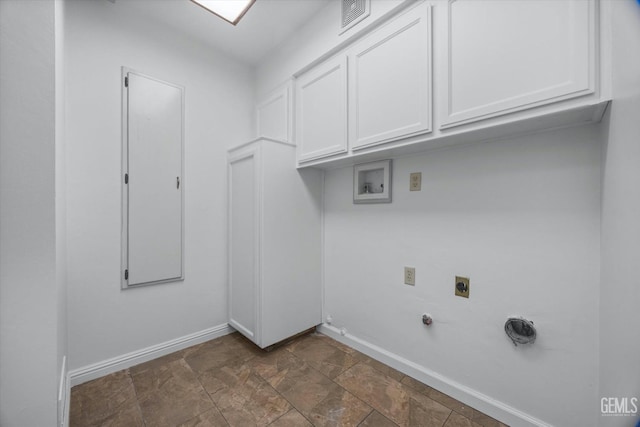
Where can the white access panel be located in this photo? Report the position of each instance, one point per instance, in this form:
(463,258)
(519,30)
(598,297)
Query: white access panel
(243,242)
(153,184)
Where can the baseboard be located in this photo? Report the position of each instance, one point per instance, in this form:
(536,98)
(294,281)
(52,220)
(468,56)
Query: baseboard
(63,395)
(115,364)
(67,403)
(471,397)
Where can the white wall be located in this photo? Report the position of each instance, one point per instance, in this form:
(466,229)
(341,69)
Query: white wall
(520,217)
(620,289)
(29,294)
(105,321)
(61,198)
(311,41)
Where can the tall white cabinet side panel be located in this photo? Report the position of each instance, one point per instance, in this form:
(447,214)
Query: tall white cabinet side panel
(243,242)
(291,296)
(274,242)
(154,143)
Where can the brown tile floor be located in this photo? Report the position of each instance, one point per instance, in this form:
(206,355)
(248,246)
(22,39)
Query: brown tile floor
(228,381)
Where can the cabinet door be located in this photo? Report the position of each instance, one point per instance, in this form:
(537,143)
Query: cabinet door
(505,56)
(243,231)
(274,115)
(321,110)
(390,81)
(152,182)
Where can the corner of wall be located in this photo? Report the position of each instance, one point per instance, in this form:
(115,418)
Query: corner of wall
(619,372)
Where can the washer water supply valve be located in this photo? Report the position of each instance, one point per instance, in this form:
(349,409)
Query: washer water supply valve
(427,319)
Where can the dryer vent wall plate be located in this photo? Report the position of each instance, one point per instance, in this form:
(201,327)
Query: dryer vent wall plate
(353,12)
(520,330)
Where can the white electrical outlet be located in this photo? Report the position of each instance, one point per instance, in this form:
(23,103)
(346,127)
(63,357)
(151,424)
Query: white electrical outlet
(415,181)
(410,276)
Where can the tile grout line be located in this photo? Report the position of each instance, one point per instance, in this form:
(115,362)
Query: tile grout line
(135,392)
(333,379)
(282,414)
(215,405)
(292,407)
(330,379)
(317,367)
(406,385)
(365,418)
(363,363)
(448,416)
(280,394)
(272,388)
(342,372)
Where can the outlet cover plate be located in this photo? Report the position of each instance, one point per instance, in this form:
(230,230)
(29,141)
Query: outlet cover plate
(410,276)
(462,287)
(415,181)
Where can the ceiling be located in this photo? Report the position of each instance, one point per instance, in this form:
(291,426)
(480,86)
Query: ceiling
(266,25)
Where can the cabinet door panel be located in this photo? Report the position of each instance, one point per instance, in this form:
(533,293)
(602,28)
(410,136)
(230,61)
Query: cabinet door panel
(243,242)
(273,115)
(505,56)
(321,110)
(390,80)
(153,242)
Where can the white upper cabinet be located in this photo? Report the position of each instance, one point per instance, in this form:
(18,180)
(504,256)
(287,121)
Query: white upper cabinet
(505,56)
(390,81)
(321,110)
(491,68)
(273,115)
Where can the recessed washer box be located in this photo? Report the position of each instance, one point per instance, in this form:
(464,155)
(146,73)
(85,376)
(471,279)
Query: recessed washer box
(372,182)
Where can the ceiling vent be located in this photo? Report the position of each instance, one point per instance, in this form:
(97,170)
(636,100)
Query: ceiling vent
(354,11)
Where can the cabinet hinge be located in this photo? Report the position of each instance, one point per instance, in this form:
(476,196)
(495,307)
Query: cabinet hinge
(126,178)
(126,81)
(126,275)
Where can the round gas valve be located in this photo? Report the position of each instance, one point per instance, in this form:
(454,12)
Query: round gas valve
(427,319)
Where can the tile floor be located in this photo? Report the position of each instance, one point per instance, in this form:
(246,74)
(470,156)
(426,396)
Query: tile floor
(314,380)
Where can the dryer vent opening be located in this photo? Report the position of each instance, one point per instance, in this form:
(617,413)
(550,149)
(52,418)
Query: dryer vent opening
(520,330)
